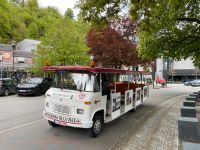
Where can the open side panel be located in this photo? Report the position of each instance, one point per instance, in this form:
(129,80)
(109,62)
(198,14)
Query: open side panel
(128,100)
(148,91)
(116,109)
(138,92)
(145,93)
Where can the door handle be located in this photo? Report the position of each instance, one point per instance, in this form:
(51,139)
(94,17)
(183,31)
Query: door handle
(96,101)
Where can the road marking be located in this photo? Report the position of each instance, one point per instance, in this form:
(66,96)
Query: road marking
(20,126)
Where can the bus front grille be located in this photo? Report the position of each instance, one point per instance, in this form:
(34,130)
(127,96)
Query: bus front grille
(61,109)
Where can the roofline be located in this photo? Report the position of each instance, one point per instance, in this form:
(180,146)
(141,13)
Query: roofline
(88,69)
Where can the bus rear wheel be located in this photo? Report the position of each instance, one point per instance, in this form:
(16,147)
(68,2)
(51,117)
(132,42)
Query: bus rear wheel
(52,124)
(96,127)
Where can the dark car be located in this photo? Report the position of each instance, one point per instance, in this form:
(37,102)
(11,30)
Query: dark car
(7,86)
(34,86)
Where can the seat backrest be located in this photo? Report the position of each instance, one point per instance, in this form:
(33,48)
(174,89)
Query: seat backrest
(122,87)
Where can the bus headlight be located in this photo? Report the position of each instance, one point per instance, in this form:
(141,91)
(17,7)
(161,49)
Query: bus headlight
(80,111)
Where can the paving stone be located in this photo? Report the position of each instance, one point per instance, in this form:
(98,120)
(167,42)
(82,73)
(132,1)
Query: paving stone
(160,132)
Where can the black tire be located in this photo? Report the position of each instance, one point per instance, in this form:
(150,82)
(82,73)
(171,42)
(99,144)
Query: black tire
(133,110)
(96,127)
(6,93)
(52,124)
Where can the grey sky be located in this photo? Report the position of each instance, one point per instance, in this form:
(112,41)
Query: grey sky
(62,5)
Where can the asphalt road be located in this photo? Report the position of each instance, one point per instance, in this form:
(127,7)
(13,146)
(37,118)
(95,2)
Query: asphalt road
(22,126)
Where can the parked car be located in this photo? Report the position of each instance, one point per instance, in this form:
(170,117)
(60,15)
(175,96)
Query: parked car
(34,86)
(7,86)
(195,83)
(188,83)
(192,83)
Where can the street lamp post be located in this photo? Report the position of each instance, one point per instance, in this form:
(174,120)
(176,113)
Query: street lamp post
(1,58)
(153,72)
(13,67)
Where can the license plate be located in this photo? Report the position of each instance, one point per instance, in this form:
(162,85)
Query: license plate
(22,90)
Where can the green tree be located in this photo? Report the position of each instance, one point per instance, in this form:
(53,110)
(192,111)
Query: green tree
(25,20)
(5,21)
(33,31)
(167,28)
(32,5)
(63,44)
(69,13)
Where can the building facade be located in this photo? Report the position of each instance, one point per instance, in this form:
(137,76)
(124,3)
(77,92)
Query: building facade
(172,70)
(17,58)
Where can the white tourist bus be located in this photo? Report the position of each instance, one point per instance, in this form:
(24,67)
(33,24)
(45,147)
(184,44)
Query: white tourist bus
(86,97)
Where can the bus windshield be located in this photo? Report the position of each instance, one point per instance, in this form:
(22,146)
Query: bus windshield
(75,81)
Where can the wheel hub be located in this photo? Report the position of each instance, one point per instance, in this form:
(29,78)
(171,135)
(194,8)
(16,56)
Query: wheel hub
(97,126)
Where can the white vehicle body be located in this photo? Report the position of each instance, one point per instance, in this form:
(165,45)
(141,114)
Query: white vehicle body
(77,108)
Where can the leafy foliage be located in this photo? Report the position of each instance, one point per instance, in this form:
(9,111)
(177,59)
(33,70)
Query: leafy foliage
(25,20)
(172,32)
(100,12)
(115,45)
(64,44)
(69,13)
(167,28)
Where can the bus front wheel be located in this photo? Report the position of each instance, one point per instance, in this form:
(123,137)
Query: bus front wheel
(96,127)
(52,124)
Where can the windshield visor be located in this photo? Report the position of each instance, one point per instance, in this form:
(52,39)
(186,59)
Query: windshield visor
(76,81)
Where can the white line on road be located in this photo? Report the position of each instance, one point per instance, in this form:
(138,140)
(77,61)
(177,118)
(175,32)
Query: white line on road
(20,126)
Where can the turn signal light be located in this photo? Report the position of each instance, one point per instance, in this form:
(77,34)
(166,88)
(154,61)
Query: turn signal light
(48,95)
(87,103)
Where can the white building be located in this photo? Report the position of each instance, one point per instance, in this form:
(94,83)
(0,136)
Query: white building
(24,52)
(176,70)
(27,45)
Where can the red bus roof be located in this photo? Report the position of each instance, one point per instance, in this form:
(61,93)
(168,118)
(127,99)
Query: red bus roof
(92,70)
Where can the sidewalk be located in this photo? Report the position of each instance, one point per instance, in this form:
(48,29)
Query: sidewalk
(160,131)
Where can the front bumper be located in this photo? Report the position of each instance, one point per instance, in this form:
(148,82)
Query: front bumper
(2,91)
(67,120)
(25,91)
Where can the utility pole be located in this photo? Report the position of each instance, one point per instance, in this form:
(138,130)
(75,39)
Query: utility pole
(1,59)
(13,56)
(153,71)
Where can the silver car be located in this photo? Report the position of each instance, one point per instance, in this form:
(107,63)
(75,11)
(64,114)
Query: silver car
(195,83)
